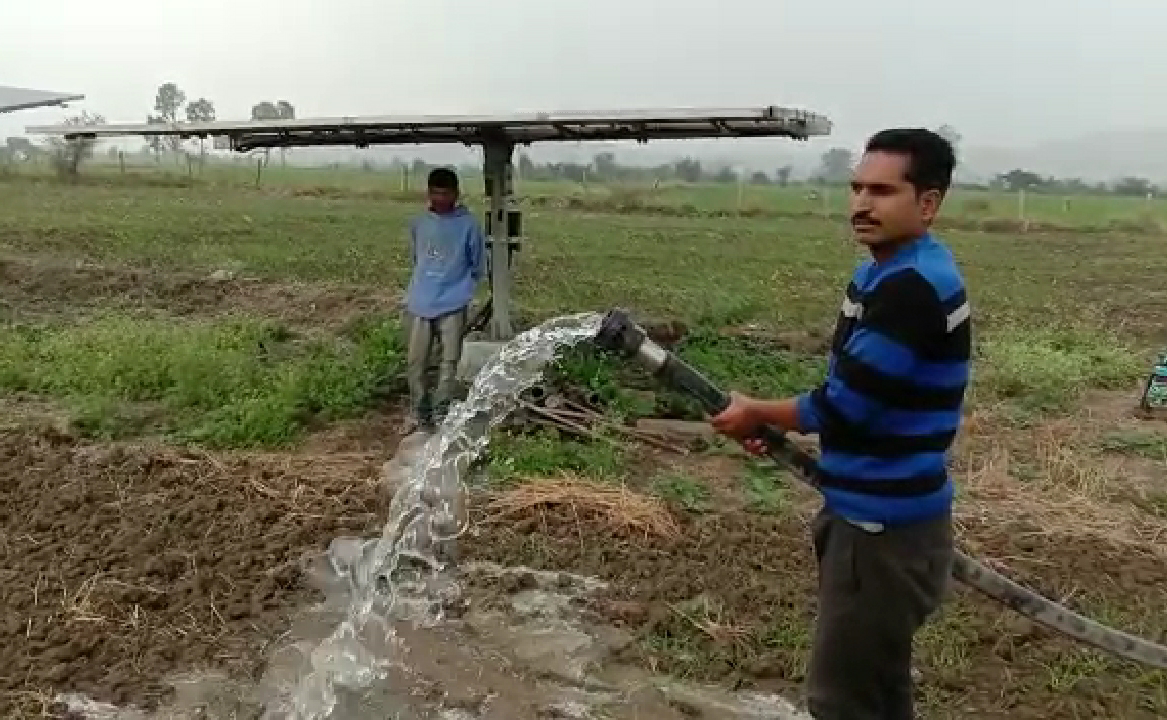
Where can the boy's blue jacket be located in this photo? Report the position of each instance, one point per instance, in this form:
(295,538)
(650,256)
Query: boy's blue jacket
(448,254)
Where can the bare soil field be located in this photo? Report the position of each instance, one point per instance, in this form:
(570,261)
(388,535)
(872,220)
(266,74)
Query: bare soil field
(126,564)
(133,552)
(34,287)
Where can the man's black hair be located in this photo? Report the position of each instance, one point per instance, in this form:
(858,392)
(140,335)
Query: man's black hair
(931,158)
(442,178)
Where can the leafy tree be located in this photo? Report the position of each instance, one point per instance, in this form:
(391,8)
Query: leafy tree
(688,170)
(1134,187)
(167,103)
(201,110)
(1077,186)
(155,143)
(267,110)
(22,148)
(264,111)
(67,155)
(782,175)
(605,167)
(836,166)
(526,167)
(1018,179)
(725,175)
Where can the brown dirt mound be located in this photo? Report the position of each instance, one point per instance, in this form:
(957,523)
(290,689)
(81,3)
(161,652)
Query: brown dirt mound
(122,565)
(733,599)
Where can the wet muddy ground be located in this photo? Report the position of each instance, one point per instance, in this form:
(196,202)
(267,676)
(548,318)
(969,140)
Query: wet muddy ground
(123,565)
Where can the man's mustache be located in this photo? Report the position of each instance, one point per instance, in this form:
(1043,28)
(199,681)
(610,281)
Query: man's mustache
(863,217)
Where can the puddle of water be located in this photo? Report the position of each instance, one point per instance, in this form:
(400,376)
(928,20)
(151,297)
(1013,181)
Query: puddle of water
(532,652)
(377,647)
(397,575)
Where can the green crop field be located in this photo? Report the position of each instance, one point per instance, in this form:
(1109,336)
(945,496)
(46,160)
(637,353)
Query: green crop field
(204,312)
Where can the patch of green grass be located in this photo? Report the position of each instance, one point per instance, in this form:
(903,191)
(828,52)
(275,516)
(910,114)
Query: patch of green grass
(544,454)
(750,365)
(1047,370)
(689,492)
(234,382)
(788,639)
(695,641)
(1078,670)
(631,405)
(948,640)
(586,367)
(1155,503)
(1148,445)
(682,654)
(775,271)
(766,488)
(1073,667)
(108,419)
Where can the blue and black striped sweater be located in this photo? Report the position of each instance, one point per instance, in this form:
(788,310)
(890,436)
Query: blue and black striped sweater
(890,407)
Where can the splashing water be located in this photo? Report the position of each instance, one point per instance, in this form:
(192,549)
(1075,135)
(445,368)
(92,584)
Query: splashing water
(427,514)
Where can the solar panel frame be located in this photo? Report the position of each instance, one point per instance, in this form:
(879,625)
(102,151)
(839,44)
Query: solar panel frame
(17,98)
(518,129)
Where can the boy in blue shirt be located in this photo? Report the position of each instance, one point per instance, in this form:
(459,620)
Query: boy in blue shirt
(886,417)
(448,252)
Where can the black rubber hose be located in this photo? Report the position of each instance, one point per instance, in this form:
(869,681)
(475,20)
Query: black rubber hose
(619,334)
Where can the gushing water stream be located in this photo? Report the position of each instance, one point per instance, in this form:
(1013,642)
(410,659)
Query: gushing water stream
(427,513)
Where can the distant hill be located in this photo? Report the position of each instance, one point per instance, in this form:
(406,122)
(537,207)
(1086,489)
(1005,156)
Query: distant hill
(1097,157)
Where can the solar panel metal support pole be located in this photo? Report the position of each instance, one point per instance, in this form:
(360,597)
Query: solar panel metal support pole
(499,181)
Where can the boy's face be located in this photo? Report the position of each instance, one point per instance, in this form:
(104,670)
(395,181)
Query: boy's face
(442,200)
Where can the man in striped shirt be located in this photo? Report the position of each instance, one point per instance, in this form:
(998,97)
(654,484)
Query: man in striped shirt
(885,416)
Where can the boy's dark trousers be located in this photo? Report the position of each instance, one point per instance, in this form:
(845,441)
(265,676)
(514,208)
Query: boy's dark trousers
(447,330)
(875,591)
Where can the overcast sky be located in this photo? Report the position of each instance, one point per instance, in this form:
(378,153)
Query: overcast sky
(1004,72)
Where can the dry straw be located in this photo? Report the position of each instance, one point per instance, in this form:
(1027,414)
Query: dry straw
(613,505)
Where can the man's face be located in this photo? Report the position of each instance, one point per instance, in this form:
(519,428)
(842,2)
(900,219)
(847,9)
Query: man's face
(442,200)
(884,205)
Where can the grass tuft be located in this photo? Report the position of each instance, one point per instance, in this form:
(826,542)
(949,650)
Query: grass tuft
(1047,370)
(512,458)
(684,490)
(237,382)
(751,365)
(766,488)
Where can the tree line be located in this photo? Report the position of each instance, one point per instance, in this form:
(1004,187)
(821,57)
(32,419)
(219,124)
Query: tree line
(836,165)
(605,168)
(171,106)
(834,168)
